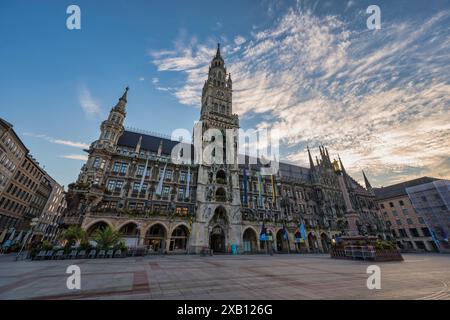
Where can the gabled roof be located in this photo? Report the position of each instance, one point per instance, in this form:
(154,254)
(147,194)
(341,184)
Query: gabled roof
(399,189)
(149,143)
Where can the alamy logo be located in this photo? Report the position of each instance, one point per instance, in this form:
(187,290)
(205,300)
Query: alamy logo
(228,146)
(374,280)
(374,20)
(74,280)
(74,20)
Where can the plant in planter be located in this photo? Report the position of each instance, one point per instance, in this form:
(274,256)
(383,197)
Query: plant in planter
(72,235)
(46,245)
(107,238)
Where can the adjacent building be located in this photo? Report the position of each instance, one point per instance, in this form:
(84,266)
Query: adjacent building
(131,183)
(25,187)
(407,225)
(14,195)
(52,212)
(432,202)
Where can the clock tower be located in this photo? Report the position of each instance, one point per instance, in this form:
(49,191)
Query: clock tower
(218,220)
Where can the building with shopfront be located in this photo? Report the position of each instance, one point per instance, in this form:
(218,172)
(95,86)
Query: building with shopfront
(407,225)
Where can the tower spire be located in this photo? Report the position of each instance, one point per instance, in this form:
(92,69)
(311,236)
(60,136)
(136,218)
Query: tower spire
(366,182)
(120,106)
(218,51)
(311,162)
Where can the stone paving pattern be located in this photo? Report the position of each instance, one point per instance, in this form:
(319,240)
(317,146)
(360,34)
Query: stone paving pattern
(310,276)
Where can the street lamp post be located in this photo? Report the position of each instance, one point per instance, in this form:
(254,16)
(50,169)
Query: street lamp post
(34,222)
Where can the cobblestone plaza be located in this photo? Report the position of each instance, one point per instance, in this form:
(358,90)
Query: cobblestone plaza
(259,277)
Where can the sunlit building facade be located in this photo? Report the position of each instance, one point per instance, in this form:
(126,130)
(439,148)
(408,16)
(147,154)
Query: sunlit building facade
(131,183)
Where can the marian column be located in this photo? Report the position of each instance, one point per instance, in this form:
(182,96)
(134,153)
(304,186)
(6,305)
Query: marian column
(350,215)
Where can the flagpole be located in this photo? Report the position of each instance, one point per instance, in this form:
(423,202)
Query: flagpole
(143,175)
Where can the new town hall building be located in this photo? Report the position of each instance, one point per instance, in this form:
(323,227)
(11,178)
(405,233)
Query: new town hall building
(131,184)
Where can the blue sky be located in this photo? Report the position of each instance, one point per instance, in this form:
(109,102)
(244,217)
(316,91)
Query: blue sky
(310,69)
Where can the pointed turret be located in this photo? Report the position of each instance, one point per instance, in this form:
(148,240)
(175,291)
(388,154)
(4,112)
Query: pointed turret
(218,51)
(341,165)
(138,146)
(366,182)
(229,82)
(311,162)
(328,155)
(120,106)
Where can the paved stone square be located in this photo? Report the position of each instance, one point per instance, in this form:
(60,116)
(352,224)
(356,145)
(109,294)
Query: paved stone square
(420,276)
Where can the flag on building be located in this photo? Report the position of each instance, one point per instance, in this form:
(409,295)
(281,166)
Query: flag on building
(245,187)
(259,190)
(143,175)
(285,234)
(274,193)
(188,190)
(262,235)
(302,231)
(161,180)
(433,236)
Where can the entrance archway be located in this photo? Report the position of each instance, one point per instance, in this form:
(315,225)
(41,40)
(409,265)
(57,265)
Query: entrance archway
(92,230)
(281,243)
(130,234)
(249,240)
(218,226)
(155,238)
(217,239)
(179,239)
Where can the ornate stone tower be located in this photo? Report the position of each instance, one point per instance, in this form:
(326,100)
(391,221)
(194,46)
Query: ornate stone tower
(218,218)
(112,128)
(102,150)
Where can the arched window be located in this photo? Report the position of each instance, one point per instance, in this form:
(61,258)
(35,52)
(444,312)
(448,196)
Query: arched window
(221,195)
(221,177)
(179,239)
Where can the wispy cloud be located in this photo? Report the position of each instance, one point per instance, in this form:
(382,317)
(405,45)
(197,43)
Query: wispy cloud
(381,100)
(238,40)
(90,105)
(63,142)
(80,157)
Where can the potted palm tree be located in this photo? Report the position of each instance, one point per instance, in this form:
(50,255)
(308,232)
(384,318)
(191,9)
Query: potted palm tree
(107,238)
(73,235)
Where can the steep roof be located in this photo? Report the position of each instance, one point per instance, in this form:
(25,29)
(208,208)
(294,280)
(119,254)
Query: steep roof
(399,189)
(149,142)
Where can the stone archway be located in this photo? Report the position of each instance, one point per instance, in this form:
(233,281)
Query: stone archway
(217,240)
(93,228)
(130,234)
(179,238)
(218,227)
(281,242)
(250,241)
(155,237)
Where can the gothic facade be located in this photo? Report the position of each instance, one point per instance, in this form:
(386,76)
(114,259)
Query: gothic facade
(131,183)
